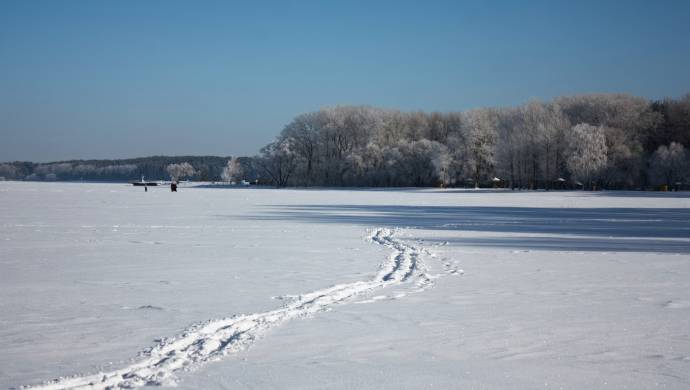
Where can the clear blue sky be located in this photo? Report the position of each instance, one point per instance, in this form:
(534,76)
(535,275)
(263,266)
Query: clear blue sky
(112,79)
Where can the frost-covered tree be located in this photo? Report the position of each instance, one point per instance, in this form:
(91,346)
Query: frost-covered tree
(669,164)
(442,161)
(305,131)
(233,171)
(178,171)
(531,136)
(278,161)
(674,123)
(625,160)
(480,131)
(623,111)
(422,163)
(586,152)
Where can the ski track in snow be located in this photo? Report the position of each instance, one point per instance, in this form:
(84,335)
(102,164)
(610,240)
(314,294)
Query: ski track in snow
(211,340)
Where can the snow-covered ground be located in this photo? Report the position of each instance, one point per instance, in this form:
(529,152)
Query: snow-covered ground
(307,289)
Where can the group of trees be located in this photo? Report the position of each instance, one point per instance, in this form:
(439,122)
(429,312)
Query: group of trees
(67,171)
(204,168)
(604,140)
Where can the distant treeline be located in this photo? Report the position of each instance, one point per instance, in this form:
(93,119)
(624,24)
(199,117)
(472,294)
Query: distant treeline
(612,141)
(205,168)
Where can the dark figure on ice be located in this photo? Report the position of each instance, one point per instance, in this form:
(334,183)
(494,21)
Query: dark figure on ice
(173,186)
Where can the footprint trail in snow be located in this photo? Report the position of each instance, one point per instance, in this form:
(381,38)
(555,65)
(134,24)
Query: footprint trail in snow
(211,340)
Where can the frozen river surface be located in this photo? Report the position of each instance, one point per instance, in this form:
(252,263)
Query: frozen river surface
(107,285)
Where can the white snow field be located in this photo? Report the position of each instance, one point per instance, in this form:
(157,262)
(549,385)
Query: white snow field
(107,286)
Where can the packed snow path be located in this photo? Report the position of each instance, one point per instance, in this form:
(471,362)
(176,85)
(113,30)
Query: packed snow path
(213,339)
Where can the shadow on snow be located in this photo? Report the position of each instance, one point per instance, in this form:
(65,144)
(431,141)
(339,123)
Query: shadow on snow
(664,230)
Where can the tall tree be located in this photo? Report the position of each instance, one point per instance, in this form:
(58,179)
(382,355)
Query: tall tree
(480,134)
(277,161)
(233,171)
(586,152)
(670,163)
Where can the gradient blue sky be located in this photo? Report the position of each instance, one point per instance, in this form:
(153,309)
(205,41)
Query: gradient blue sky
(113,79)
